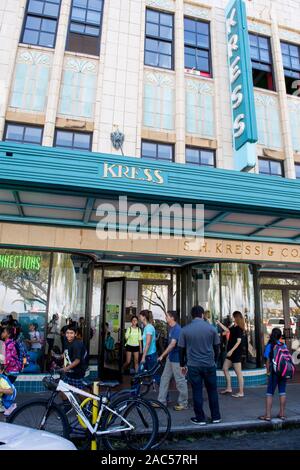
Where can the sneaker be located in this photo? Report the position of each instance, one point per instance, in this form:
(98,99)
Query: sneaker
(198,421)
(9,410)
(216,421)
(156,405)
(180,407)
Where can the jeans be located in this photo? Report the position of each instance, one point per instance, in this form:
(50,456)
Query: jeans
(275,381)
(151,361)
(196,377)
(172,369)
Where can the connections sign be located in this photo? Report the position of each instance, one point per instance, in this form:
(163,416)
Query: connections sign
(240,71)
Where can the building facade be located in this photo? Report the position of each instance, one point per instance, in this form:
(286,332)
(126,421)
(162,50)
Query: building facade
(79,77)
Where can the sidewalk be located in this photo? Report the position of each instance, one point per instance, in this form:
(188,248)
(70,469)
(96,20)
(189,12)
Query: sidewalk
(240,413)
(237,413)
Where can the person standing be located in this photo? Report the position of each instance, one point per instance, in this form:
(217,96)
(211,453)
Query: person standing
(234,354)
(53,331)
(172,367)
(199,347)
(274,380)
(133,344)
(149,356)
(11,362)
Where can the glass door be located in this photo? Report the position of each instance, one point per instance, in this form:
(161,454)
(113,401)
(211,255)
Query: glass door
(272,311)
(156,297)
(112,329)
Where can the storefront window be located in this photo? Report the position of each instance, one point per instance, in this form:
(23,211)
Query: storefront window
(24,278)
(237,293)
(206,289)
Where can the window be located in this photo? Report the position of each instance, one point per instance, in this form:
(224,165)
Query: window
(40,23)
(291,65)
(73,140)
(261,58)
(198,156)
(85,26)
(197,46)
(23,133)
(297,170)
(157,151)
(159,39)
(270,167)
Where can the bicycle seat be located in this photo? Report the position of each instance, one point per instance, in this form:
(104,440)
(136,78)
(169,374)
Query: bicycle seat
(107,383)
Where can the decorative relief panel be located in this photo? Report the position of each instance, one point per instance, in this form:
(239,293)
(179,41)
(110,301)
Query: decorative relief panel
(200,108)
(78,88)
(31,80)
(294,112)
(259,28)
(268,120)
(161,4)
(197,12)
(159,100)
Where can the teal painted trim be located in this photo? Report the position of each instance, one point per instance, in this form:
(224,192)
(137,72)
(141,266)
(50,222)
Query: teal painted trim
(51,169)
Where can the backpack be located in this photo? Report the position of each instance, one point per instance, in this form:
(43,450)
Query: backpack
(282,362)
(109,343)
(23,356)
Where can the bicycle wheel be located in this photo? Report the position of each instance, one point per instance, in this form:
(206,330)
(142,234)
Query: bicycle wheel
(35,415)
(164,422)
(139,414)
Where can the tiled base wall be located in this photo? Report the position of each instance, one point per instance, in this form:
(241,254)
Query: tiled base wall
(33,383)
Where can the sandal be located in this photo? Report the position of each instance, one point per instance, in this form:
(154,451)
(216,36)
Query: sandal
(226,392)
(237,395)
(281,417)
(264,418)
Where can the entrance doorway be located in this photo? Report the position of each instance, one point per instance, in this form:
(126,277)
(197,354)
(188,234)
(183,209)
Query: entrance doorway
(124,297)
(281,309)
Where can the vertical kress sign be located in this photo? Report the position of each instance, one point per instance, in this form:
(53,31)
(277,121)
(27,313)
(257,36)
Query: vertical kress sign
(241,86)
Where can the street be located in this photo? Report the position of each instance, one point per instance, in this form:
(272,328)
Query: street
(288,439)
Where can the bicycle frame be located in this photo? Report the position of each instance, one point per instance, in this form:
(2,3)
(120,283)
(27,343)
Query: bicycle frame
(68,390)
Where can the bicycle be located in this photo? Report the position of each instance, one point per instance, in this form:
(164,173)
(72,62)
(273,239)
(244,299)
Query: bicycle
(136,391)
(130,423)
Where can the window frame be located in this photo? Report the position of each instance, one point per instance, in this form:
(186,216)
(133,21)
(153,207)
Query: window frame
(201,149)
(156,38)
(271,64)
(84,34)
(25,125)
(46,17)
(297,165)
(291,69)
(59,129)
(199,20)
(157,143)
(270,160)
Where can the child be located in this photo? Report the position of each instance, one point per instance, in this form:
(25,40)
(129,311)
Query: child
(12,365)
(274,380)
(7,394)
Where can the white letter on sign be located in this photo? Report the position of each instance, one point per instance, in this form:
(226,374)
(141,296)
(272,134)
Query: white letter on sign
(239,126)
(236,97)
(231,21)
(235,71)
(233,44)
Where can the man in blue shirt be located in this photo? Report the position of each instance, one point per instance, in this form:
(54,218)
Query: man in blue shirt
(172,367)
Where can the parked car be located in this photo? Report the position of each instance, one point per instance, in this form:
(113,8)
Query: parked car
(279,323)
(13,437)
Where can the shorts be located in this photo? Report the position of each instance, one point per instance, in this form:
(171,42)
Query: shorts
(78,383)
(273,381)
(132,349)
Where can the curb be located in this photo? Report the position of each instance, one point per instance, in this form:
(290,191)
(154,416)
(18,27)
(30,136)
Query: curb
(222,428)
